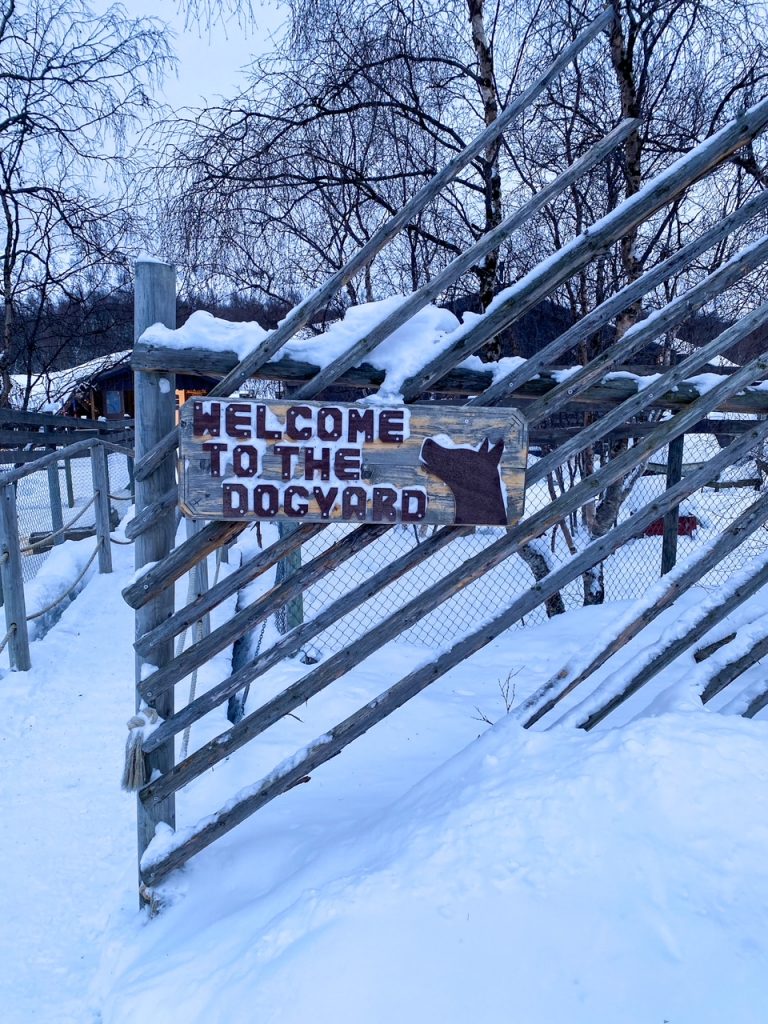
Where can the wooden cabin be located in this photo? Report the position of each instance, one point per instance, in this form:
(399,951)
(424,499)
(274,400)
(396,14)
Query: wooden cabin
(107,392)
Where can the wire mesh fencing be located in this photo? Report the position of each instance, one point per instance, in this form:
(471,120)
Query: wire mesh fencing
(627,573)
(60,501)
(45,499)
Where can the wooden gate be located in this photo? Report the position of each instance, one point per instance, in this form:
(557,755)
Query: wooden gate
(624,407)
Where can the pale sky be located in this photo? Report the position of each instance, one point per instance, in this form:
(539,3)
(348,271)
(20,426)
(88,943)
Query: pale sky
(209,59)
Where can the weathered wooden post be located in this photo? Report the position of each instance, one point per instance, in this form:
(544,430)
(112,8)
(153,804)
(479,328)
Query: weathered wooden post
(101,505)
(155,302)
(292,613)
(671,518)
(68,481)
(13,581)
(54,497)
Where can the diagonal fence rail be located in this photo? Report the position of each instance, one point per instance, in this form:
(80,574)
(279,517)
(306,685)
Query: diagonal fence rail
(160,668)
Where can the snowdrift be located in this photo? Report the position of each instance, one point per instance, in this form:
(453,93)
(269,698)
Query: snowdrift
(535,877)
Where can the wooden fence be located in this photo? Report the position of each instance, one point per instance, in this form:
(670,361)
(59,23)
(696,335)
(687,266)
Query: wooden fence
(27,436)
(624,408)
(11,550)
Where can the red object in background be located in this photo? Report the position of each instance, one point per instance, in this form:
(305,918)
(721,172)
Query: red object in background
(685,527)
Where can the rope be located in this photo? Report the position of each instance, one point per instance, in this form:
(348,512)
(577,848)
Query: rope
(199,629)
(57,533)
(139,727)
(247,688)
(116,541)
(7,637)
(192,691)
(67,592)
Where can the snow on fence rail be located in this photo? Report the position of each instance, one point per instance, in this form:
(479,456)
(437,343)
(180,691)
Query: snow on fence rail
(628,401)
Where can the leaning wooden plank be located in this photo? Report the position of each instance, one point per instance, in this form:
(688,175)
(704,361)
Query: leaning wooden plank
(244,621)
(296,768)
(164,574)
(154,456)
(247,801)
(712,648)
(284,777)
(661,596)
(702,618)
(298,637)
(225,588)
(681,308)
(318,300)
(756,705)
(471,257)
(606,311)
(473,568)
(755,649)
(645,397)
(144,520)
(547,276)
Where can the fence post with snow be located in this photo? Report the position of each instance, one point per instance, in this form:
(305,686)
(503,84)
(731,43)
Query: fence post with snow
(155,302)
(16,635)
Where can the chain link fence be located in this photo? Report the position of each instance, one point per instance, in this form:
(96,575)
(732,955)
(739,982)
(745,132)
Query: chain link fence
(628,573)
(46,500)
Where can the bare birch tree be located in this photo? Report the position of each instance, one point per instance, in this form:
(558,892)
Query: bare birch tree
(361,104)
(683,67)
(367,98)
(72,86)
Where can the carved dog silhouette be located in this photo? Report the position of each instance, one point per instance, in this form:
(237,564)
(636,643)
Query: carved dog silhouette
(473,477)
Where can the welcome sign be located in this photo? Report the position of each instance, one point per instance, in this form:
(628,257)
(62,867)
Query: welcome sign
(318,462)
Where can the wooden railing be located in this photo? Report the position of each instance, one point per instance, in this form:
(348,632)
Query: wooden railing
(11,551)
(26,436)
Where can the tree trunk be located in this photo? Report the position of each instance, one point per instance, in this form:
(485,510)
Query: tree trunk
(539,565)
(9,258)
(487,271)
(622,52)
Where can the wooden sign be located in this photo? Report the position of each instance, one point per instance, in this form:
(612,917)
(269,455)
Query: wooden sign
(312,462)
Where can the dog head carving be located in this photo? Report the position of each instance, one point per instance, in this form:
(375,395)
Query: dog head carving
(473,478)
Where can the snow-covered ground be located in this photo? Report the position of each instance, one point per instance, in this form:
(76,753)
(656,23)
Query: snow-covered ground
(441,869)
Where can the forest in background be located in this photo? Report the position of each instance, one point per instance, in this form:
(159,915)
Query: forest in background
(260,198)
